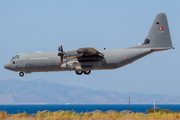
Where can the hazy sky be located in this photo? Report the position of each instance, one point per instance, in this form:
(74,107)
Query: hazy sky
(28,26)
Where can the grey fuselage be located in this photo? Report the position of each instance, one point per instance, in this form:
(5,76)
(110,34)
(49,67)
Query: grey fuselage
(49,61)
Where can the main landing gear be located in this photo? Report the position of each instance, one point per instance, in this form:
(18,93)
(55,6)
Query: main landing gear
(85,72)
(21,74)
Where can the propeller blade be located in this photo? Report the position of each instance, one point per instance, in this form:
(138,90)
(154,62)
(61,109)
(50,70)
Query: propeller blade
(62,59)
(58,48)
(60,62)
(61,48)
(60,54)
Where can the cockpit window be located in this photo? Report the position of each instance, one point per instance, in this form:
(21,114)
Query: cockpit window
(15,57)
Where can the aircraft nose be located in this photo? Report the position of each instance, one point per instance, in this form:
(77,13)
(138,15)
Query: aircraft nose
(7,65)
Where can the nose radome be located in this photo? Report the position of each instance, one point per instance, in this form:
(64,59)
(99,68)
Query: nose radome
(7,65)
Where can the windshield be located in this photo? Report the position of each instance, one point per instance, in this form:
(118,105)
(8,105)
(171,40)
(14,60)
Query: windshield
(15,57)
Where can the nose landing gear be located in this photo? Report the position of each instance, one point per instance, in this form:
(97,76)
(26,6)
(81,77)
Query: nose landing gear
(21,74)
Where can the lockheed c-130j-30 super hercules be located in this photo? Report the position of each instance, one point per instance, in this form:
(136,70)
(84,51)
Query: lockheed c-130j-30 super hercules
(86,59)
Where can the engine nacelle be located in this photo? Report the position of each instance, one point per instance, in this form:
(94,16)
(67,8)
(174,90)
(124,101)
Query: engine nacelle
(70,65)
(75,65)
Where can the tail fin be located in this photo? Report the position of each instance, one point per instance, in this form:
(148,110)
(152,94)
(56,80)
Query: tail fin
(158,36)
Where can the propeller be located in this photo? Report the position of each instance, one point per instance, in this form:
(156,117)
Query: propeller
(60,53)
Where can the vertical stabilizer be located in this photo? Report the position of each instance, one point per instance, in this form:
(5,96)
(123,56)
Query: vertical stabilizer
(159,35)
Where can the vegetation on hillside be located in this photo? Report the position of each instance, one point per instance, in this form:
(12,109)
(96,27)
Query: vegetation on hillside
(162,114)
(152,110)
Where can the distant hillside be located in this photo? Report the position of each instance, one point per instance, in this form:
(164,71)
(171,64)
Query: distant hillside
(45,92)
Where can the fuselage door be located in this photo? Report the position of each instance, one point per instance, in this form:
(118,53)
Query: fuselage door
(28,68)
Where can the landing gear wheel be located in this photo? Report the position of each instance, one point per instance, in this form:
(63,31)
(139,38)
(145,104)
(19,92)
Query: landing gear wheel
(21,74)
(87,72)
(79,72)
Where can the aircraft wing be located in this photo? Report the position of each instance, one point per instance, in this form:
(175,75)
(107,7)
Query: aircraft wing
(87,51)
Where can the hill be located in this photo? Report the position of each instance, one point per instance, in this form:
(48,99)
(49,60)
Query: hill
(45,92)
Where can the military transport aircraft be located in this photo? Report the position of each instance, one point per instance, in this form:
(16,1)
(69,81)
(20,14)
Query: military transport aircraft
(86,59)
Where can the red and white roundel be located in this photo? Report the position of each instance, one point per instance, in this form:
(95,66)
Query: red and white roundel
(161,28)
(124,57)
